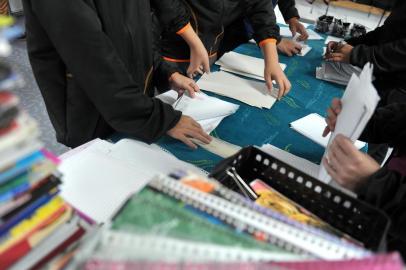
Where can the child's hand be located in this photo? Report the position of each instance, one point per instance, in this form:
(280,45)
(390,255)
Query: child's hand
(289,47)
(199,60)
(296,27)
(181,83)
(274,72)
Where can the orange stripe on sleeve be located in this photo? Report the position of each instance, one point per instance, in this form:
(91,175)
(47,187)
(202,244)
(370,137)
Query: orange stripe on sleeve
(183,29)
(268,40)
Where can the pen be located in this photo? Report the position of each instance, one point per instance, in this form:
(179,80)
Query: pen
(177,101)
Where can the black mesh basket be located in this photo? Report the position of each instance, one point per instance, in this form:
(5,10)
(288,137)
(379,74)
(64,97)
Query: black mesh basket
(342,211)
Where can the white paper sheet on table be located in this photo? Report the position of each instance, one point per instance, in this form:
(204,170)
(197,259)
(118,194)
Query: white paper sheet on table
(100,178)
(331,38)
(244,65)
(208,111)
(91,170)
(305,50)
(251,92)
(312,127)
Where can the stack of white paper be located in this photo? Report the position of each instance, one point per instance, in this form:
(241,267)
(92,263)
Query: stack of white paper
(312,127)
(336,72)
(98,179)
(251,92)
(208,111)
(244,65)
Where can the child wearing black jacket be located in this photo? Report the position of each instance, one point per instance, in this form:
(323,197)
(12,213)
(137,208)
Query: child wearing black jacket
(210,19)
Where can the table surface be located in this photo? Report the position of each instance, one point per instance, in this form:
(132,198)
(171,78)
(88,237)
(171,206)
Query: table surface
(253,126)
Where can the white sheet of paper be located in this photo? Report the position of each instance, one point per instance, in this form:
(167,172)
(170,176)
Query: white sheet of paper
(203,107)
(207,111)
(92,170)
(99,179)
(251,92)
(312,127)
(150,158)
(252,76)
(244,65)
(331,38)
(219,147)
(305,50)
(313,35)
(285,32)
(358,104)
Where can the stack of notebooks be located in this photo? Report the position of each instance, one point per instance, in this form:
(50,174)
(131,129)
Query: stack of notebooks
(35,223)
(189,221)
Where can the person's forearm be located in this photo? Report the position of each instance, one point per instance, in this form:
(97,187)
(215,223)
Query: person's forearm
(269,51)
(189,35)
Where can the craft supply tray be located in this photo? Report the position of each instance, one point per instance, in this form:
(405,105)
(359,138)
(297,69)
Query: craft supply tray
(349,215)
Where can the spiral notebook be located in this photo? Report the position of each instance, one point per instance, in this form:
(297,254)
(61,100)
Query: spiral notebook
(272,230)
(379,262)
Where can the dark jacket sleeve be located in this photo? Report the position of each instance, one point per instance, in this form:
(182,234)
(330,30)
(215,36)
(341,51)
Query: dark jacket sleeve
(162,69)
(386,58)
(386,190)
(387,125)
(261,15)
(374,37)
(288,9)
(75,31)
(172,14)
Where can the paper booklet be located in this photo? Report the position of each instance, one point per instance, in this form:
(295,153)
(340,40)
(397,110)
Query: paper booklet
(379,262)
(251,92)
(125,246)
(336,72)
(208,111)
(188,220)
(244,65)
(116,171)
(312,127)
(359,102)
(275,231)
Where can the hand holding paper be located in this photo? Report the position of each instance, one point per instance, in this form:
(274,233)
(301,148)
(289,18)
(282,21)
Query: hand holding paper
(348,166)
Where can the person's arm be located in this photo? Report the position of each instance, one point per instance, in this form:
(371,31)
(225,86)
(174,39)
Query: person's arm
(273,70)
(75,31)
(175,18)
(261,15)
(288,9)
(291,16)
(386,58)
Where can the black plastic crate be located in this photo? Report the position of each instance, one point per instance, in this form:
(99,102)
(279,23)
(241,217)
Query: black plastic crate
(349,215)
